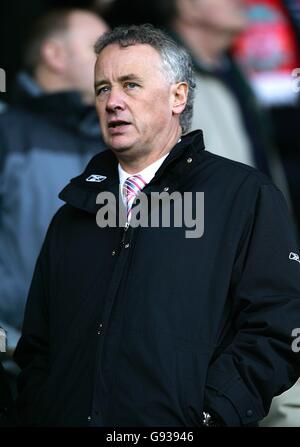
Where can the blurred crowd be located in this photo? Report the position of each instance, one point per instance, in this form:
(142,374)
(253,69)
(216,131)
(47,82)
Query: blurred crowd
(246,56)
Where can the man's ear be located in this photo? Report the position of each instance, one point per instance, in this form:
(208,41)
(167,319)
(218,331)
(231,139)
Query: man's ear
(53,55)
(179,96)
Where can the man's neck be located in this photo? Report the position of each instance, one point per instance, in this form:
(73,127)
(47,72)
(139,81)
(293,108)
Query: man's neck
(138,164)
(206,44)
(52,83)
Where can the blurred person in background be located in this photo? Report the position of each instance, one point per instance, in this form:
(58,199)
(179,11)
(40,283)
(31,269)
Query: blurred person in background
(47,135)
(269,52)
(225,107)
(15,22)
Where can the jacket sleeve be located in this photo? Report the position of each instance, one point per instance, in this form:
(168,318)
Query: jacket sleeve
(260,361)
(32,351)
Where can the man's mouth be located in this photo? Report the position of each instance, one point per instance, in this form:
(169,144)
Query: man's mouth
(117,123)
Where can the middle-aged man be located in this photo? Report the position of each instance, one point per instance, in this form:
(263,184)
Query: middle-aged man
(143,326)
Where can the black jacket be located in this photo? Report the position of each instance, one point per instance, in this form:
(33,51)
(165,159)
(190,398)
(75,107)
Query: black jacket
(146,327)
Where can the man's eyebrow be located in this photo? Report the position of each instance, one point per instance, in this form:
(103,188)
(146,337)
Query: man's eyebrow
(101,82)
(129,77)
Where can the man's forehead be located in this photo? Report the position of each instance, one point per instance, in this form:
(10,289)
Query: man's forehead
(131,51)
(139,59)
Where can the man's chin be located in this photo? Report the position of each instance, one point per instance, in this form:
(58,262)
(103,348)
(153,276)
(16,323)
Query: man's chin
(119,145)
(119,149)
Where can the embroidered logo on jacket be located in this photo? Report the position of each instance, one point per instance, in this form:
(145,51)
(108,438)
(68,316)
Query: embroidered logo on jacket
(95,178)
(294,257)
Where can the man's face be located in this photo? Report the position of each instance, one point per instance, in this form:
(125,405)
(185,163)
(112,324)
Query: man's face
(220,15)
(135,101)
(84,30)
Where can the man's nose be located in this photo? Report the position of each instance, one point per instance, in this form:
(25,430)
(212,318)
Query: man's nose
(115,100)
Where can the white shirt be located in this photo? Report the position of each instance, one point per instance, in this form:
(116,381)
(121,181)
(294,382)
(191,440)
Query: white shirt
(147,173)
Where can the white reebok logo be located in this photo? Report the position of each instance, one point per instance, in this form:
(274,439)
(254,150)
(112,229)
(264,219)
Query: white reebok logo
(294,257)
(95,178)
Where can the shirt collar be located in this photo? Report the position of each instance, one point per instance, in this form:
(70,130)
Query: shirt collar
(148,173)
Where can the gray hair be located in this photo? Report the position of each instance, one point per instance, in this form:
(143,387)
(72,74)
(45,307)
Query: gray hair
(176,61)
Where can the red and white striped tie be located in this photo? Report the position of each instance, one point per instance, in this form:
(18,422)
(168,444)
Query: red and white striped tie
(132,186)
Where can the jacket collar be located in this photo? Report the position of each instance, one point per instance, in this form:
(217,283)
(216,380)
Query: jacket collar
(101,174)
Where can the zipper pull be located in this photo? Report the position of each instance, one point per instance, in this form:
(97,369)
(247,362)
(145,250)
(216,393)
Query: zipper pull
(124,235)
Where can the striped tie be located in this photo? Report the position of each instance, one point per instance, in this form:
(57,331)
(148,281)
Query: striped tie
(132,186)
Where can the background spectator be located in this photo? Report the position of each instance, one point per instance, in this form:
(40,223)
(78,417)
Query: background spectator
(47,135)
(269,53)
(16,21)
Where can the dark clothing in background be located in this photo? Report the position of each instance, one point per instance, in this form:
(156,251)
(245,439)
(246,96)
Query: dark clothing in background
(286,121)
(293,11)
(147,327)
(286,124)
(45,139)
(8,415)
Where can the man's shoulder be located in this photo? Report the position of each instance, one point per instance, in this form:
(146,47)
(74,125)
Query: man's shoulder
(234,171)
(222,170)
(67,215)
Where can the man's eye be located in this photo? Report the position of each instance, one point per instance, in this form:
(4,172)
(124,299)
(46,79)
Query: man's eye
(131,85)
(102,90)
